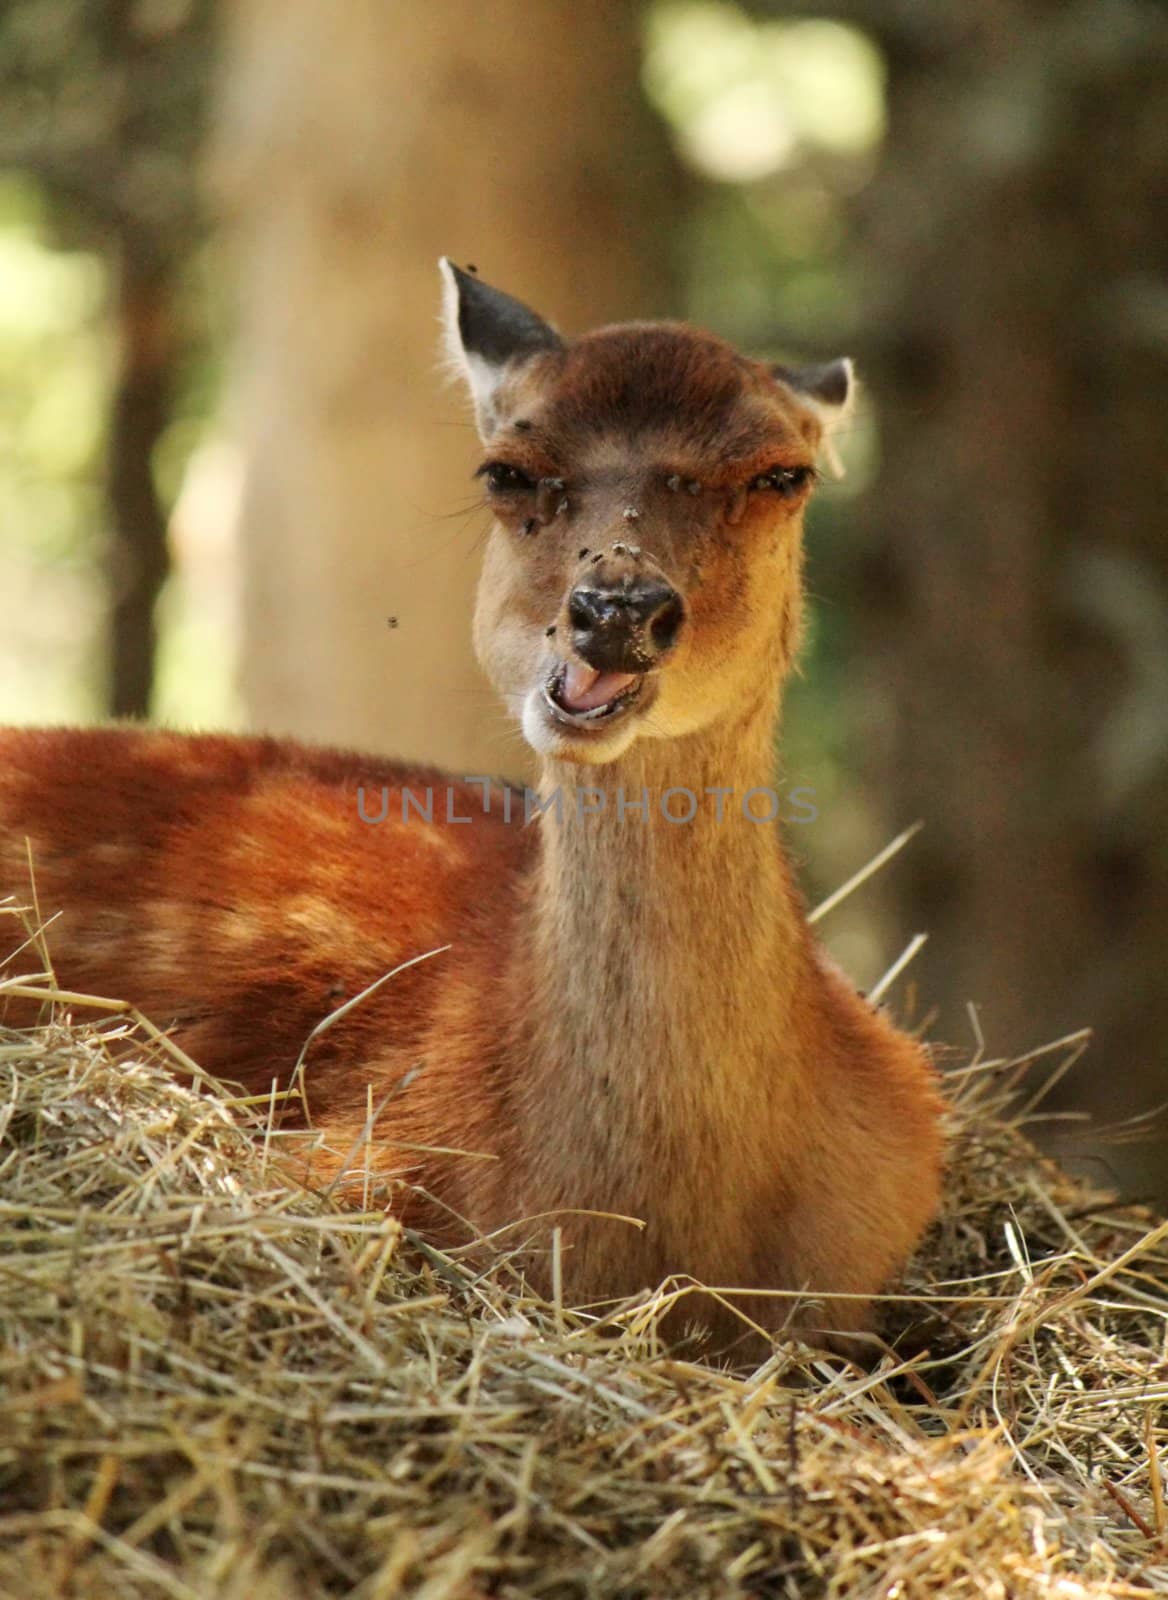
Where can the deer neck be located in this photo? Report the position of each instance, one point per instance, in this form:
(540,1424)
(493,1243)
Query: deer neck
(664,956)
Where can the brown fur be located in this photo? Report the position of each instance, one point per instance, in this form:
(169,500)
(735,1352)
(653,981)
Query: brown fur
(633,1017)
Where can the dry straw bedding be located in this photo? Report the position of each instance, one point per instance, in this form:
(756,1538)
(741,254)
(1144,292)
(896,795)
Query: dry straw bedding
(219,1384)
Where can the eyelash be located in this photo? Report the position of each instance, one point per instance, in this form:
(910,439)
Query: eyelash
(787,481)
(503,479)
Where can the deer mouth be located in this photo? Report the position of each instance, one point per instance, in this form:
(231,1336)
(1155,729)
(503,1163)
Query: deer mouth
(581,696)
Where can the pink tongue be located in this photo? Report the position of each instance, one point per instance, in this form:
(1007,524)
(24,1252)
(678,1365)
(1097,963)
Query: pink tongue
(585,689)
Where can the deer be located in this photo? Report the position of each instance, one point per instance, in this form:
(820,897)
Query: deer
(607,1017)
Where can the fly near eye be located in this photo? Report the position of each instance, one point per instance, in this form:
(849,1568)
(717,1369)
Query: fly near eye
(502,479)
(787,481)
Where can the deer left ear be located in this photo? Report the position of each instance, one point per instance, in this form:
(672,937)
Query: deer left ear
(830,391)
(486,333)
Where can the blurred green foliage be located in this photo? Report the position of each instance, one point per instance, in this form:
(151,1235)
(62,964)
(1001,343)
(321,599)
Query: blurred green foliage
(102,112)
(54,376)
(104,103)
(782,120)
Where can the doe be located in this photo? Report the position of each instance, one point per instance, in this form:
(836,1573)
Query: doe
(631,1019)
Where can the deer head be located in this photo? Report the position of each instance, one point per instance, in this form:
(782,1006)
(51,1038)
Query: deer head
(642,578)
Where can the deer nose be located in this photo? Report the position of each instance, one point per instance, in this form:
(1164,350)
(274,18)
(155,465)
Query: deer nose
(626,627)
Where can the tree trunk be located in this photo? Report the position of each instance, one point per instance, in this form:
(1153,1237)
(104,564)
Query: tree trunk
(140,409)
(1016,586)
(356,144)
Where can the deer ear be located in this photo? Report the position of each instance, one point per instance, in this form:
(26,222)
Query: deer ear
(485,332)
(830,391)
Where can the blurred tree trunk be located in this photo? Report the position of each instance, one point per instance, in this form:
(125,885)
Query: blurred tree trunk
(1016,586)
(356,144)
(147,354)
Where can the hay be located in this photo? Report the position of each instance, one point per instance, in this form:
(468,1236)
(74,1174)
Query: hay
(217,1384)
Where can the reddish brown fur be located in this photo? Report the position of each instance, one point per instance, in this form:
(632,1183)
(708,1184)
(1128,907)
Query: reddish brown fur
(632,1018)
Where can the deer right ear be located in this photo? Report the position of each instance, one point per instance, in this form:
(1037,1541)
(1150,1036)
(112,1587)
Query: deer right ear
(486,331)
(830,391)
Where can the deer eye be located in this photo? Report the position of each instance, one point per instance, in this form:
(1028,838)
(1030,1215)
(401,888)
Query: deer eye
(787,481)
(503,479)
